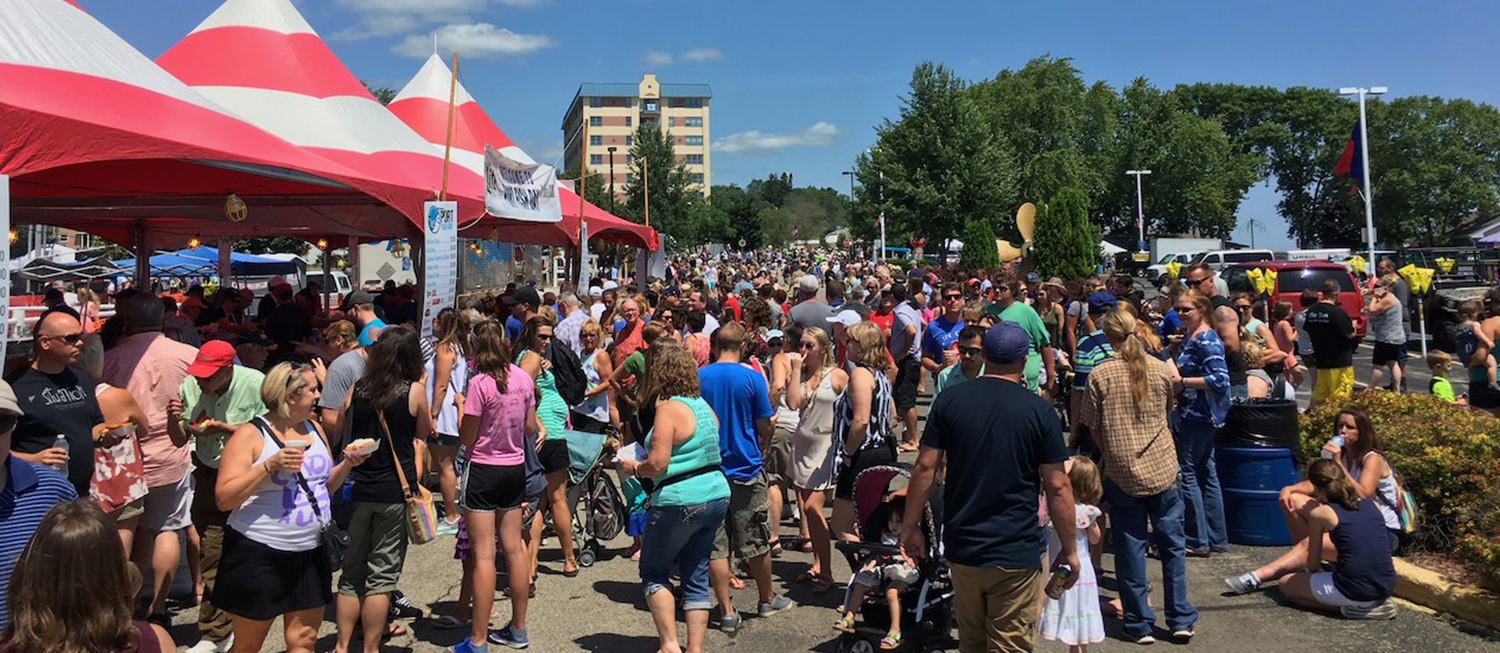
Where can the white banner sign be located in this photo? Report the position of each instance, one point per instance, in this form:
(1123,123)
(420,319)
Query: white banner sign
(441,252)
(520,191)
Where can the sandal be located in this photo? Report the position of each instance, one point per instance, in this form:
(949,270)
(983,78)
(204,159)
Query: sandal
(845,624)
(822,585)
(448,622)
(891,641)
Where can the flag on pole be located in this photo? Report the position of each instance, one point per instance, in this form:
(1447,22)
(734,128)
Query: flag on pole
(1352,162)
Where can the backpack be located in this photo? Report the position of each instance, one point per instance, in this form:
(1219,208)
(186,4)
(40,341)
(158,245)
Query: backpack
(567,372)
(1405,506)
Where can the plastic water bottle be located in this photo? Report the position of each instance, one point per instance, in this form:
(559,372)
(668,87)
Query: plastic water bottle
(61,443)
(1337,441)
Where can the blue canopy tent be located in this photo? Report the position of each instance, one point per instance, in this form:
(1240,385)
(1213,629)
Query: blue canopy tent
(204,262)
(171,265)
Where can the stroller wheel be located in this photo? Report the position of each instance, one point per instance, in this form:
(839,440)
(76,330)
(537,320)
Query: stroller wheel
(856,644)
(587,557)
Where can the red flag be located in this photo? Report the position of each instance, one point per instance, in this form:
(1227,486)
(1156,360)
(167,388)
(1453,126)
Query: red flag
(1352,162)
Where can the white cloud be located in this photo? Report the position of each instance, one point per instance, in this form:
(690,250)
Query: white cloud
(378,18)
(477,40)
(654,58)
(702,54)
(818,135)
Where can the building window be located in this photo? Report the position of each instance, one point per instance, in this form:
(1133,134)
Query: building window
(630,177)
(596,159)
(629,159)
(692,122)
(596,121)
(596,102)
(671,121)
(692,140)
(596,140)
(695,103)
(651,106)
(628,119)
(629,140)
(698,178)
(694,159)
(678,102)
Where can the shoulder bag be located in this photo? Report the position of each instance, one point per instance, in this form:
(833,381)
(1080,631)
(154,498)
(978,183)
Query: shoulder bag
(421,514)
(335,541)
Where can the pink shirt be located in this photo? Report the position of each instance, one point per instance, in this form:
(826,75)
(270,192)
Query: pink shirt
(502,417)
(151,367)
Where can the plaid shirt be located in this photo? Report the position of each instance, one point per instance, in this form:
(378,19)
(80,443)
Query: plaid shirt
(1139,454)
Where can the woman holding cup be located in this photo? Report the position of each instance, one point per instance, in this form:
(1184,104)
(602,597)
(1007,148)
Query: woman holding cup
(274,476)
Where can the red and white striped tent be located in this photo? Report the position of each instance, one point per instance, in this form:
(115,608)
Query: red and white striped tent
(97,137)
(261,60)
(423,105)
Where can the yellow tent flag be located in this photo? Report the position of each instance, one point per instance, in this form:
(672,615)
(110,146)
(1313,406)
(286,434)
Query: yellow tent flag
(1257,278)
(1419,280)
(1173,269)
(1444,264)
(1267,283)
(1356,264)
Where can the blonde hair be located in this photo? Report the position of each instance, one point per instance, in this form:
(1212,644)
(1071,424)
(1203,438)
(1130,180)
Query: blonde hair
(821,337)
(871,345)
(343,329)
(1119,329)
(1149,339)
(282,383)
(1253,353)
(1088,487)
(1438,359)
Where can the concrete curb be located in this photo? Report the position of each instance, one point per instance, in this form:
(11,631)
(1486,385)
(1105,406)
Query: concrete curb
(1431,589)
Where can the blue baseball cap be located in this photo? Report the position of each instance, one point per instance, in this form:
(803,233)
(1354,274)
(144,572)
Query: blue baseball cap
(1006,343)
(1101,302)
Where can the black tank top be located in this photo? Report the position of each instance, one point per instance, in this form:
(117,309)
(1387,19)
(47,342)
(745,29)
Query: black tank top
(1363,571)
(1234,360)
(375,481)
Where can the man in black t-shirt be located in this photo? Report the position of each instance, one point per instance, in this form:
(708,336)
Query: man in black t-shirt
(1332,335)
(1226,323)
(56,399)
(1004,447)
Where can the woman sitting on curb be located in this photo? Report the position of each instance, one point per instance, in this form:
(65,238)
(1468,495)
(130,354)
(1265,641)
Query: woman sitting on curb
(1343,528)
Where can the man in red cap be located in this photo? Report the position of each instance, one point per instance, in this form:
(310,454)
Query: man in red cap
(214,399)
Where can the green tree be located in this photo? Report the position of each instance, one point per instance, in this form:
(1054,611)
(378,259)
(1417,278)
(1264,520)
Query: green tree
(594,188)
(270,245)
(774,189)
(1065,243)
(654,167)
(980,249)
(382,94)
(936,167)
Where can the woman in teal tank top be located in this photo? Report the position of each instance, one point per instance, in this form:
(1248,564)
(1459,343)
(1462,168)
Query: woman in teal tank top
(552,412)
(689,496)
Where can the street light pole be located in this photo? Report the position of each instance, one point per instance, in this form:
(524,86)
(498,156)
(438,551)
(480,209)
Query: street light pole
(1140,210)
(1364,141)
(611,151)
(850,175)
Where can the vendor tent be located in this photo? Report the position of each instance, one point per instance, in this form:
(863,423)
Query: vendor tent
(96,137)
(261,60)
(423,105)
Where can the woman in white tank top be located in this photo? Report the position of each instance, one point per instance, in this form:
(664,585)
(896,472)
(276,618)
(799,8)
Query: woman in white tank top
(447,379)
(274,476)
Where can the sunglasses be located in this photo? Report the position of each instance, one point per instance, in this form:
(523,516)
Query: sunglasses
(808,346)
(970,351)
(953,297)
(7,423)
(1243,307)
(1186,309)
(1194,282)
(71,338)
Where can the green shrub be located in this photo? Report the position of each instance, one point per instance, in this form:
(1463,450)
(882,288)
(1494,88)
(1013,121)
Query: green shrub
(1450,459)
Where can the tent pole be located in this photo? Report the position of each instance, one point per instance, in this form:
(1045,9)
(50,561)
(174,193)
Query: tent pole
(327,276)
(226,271)
(355,282)
(142,259)
(448,145)
(583,173)
(5,262)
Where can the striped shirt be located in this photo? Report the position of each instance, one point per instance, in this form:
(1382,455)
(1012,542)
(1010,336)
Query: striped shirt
(1091,352)
(30,491)
(878,432)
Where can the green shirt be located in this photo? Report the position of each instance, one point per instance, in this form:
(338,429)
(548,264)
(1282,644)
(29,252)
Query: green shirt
(1029,321)
(237,404)
(1443,389)
(698,452)
(635,364)
(951,375)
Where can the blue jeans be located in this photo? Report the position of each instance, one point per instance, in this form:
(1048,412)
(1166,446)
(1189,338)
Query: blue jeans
(684,535)
(1127,516)
(1200,484)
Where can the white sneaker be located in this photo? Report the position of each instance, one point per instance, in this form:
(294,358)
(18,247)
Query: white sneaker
(205,646)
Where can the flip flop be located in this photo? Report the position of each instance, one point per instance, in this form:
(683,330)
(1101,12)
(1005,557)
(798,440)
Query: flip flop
(890,642)
(448,622)
(845,624)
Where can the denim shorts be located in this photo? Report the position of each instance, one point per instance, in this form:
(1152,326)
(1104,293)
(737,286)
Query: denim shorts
(684,535)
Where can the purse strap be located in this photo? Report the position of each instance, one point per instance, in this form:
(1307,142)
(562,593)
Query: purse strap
(312,499)
(395,460)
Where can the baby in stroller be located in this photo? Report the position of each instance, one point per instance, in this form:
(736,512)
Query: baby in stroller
(893,571)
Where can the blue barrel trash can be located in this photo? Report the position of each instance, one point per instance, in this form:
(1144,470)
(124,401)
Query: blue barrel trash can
(1252,479)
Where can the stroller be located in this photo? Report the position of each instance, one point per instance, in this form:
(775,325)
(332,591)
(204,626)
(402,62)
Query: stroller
(926,606)
(599,513)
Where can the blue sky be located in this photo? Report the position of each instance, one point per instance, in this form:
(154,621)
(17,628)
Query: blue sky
(800,86)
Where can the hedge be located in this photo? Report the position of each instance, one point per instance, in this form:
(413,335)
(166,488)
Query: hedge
(1450,459)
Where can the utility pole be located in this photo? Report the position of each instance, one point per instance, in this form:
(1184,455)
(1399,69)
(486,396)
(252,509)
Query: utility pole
(611,180)
(1364,149)
(1140,211)
(1252,225)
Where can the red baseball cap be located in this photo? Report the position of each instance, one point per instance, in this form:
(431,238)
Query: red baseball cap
(215,355)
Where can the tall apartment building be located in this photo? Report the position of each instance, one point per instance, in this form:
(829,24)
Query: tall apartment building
(614,110)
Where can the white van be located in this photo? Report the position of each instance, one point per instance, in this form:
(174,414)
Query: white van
(1221,258)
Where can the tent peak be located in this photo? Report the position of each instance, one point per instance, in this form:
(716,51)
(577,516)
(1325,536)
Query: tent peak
(432,82)
(274,15)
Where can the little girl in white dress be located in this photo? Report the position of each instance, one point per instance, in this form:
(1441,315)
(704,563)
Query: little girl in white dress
(1075,618)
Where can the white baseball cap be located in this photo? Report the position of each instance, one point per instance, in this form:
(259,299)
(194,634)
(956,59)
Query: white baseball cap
(596,291)
(845,317)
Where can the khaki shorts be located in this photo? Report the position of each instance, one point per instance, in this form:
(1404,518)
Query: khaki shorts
(996,609)
(128,511)
(377,548)
(778,458)
(746,531)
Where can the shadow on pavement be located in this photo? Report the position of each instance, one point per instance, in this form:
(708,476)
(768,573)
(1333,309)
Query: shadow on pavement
(623,593)
(613,643)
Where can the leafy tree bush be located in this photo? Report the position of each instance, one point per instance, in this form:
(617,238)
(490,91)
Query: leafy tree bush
(979,246)
(1450,459)
(1066,244)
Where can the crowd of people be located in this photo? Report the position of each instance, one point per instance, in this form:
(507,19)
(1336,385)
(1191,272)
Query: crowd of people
(739,391)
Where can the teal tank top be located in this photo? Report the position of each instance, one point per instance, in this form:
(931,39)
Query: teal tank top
(551,410)
(699,451)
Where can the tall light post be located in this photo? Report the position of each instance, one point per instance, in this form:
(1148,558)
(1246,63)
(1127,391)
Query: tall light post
(1140,210)
(850,175)
(611,150)
(1364,149)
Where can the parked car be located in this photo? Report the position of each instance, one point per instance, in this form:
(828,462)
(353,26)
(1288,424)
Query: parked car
(1158,270)
(1292,277)
(1221,258)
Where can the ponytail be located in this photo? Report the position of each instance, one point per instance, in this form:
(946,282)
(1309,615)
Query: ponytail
(1119,327)
(1330,479)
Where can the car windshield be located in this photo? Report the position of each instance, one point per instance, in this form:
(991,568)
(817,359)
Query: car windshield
(1293,280)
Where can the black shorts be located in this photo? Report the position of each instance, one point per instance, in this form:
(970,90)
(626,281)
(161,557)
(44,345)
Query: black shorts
(554,455)
(862,460)
(908,377)
(1481,396)
(1386,352)
(491,488)
(260,583)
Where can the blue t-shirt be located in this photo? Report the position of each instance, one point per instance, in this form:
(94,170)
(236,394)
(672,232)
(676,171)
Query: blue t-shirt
(1170,324)
(1203,356)
(940,336)
(29,493)
(366,335)
(513,328)
(739,396)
